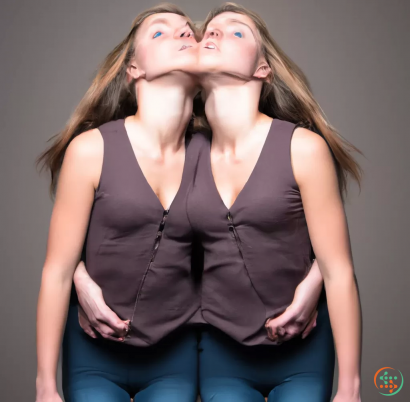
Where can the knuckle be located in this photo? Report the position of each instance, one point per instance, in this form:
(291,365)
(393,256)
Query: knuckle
(94,323)
(98,316)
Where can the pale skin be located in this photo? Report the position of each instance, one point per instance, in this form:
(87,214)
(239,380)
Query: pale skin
(159,147)
(239,131)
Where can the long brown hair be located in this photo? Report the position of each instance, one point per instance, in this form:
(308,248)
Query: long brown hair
(109,97)
(286,96)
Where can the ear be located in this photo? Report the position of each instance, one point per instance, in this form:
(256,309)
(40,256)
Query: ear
(133,72)
(263,70)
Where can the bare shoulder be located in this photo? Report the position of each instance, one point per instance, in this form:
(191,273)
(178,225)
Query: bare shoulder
(310,154)
(307,144)
(85,156)
(86,146)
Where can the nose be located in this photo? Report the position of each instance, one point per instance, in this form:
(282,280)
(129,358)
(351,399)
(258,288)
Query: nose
(214,34)
(185,32)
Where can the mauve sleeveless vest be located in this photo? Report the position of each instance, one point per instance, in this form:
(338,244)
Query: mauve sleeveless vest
(258,251)
(137,252)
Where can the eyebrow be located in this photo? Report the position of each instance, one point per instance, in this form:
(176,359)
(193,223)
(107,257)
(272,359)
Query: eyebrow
(159,21)
(164,21)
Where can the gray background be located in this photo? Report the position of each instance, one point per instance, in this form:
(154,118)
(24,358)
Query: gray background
(356,55)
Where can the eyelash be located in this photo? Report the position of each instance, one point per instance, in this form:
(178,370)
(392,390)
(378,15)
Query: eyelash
(156,34)
(239,34)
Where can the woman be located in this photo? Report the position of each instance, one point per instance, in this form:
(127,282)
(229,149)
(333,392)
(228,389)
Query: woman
(265,189)
(122,188)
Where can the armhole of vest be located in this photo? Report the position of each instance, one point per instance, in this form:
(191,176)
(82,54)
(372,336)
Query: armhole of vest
(295,184)
(100,181)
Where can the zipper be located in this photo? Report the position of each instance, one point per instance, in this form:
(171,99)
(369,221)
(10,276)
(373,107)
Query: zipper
(235,235)
(232,229)
(157,241)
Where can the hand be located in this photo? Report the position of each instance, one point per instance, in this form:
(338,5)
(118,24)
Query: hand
(340,397)
(300,316)
(93,312)
(291,323)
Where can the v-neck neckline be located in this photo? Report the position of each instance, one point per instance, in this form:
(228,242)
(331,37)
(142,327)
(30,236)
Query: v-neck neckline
(264,146)
(125,132)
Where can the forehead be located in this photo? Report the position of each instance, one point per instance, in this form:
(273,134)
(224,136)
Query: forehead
(227,17)
(173,20)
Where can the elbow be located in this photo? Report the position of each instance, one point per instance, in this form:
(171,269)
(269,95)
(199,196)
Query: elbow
(56,275)
(338,273)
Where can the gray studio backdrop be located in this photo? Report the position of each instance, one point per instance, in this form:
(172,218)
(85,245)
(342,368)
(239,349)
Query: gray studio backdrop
(356,55)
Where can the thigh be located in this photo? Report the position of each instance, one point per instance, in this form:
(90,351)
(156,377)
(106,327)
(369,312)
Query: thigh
(168,389)
(228,389)
(92,366)
(95,389)
(303,387)
(265,368)
(168,371)
(303,369)
(227,372)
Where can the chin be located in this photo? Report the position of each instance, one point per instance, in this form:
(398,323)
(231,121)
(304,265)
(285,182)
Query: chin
(210,64)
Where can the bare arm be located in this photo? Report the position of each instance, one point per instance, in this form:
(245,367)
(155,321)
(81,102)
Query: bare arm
(94,314)
(315,174)
(75,194)
(300,316)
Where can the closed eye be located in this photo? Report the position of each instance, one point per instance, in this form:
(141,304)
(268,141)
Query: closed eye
(238,34)
(157,34)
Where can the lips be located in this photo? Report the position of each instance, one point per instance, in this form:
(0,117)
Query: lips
(210,45)
(183,47)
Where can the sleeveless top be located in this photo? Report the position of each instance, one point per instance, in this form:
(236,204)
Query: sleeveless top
(137,252)
(257,251)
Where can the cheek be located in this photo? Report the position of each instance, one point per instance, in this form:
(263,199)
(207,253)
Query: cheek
(142,56)
(243,54)
(148,57)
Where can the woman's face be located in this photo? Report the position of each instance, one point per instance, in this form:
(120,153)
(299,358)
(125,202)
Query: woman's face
(230,45)
(164,43)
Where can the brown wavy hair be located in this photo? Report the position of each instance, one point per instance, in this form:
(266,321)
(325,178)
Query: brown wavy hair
(286,95)
(109,97)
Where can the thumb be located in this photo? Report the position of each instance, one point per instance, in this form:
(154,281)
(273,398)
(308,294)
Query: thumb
(281,320)
(115,322)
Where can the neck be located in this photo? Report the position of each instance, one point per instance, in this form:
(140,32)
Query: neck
(231,107)
(164,111)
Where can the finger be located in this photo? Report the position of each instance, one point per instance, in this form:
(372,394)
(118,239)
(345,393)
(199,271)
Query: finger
(291,331)
(112,338)
(281,331)
(105,330)
(281,321)
(90,332)
(310,326)
(114,322)
(271,333)
(272,326)
(85,324)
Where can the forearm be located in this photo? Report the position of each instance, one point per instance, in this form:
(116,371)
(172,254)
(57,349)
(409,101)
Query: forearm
(345,317)
(314,277)
(51,318)
(309,289)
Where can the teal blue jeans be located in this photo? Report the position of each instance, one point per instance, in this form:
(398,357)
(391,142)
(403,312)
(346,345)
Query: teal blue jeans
(98,370)
(300,370)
